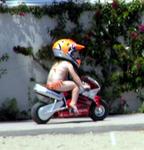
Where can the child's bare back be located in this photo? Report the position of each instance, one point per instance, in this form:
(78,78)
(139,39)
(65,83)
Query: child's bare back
(59,71)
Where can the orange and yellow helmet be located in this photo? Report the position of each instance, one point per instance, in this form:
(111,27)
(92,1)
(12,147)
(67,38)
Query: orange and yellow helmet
(68,49)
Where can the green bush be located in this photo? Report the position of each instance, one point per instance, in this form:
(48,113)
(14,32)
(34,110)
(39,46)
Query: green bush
(10,112)
(141,109)
(3,58)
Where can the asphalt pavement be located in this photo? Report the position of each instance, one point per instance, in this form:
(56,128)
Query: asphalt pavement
(128,122)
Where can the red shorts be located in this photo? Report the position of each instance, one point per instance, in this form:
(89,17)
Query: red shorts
(54,85)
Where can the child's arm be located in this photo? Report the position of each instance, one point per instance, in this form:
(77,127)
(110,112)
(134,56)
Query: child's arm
(74,75)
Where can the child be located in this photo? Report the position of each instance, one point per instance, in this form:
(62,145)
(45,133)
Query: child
(66,50)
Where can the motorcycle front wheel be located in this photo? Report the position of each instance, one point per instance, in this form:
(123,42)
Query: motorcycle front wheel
(100,112)
(38,113)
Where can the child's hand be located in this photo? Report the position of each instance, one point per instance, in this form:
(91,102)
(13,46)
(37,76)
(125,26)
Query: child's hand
(85,85)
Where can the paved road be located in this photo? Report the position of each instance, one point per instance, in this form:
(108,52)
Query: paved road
(74,126)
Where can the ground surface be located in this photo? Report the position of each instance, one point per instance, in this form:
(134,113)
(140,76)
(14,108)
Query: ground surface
(88,141)
(124,132)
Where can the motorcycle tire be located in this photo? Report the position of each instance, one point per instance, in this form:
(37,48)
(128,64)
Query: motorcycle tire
(35,113)
(98,113)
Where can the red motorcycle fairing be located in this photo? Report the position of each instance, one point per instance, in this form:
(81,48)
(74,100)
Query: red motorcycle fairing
(83,106)
(97,100)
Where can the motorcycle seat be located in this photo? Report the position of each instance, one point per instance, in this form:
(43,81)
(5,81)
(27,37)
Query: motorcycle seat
(48,92)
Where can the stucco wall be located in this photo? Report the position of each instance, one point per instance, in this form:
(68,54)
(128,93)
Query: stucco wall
(25,31)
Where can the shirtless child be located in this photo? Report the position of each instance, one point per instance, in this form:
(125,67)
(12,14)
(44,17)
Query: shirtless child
(57,78)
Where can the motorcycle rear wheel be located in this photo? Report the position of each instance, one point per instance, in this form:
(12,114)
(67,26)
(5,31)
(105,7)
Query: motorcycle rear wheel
(35,113)
(98,113)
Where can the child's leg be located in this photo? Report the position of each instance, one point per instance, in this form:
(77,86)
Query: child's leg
(70,86)
(75,94)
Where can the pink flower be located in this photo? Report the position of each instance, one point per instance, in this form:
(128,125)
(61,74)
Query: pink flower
(138,66)
(134,35)
(22,14)
(98,13)
(128,66)
(141,28)
(115,4)
(122,101)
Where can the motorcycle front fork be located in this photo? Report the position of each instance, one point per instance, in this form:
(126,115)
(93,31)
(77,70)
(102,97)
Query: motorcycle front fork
(97,100)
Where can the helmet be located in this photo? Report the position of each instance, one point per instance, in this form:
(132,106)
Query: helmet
(68,49)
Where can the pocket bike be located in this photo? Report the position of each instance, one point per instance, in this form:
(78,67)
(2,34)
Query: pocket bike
(55,104)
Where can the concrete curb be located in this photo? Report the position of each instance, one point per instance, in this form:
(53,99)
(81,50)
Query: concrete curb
(78,130)
(133,122)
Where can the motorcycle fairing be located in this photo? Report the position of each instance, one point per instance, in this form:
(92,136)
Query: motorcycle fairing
(48,93)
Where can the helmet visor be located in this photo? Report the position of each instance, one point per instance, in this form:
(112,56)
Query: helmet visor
(79,47)
(75,55)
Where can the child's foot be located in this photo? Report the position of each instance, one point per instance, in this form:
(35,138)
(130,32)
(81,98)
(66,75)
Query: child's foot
(74,109)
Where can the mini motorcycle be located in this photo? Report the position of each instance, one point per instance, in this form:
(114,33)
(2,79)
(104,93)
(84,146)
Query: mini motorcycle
(56,104)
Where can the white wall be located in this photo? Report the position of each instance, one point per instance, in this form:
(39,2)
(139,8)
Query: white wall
(24,31)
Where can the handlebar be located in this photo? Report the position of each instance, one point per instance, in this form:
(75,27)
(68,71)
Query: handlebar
(93,83)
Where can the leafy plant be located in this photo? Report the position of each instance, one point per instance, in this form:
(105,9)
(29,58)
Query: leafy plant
(141,97)
(3,58)
(141,109)
(10,112)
